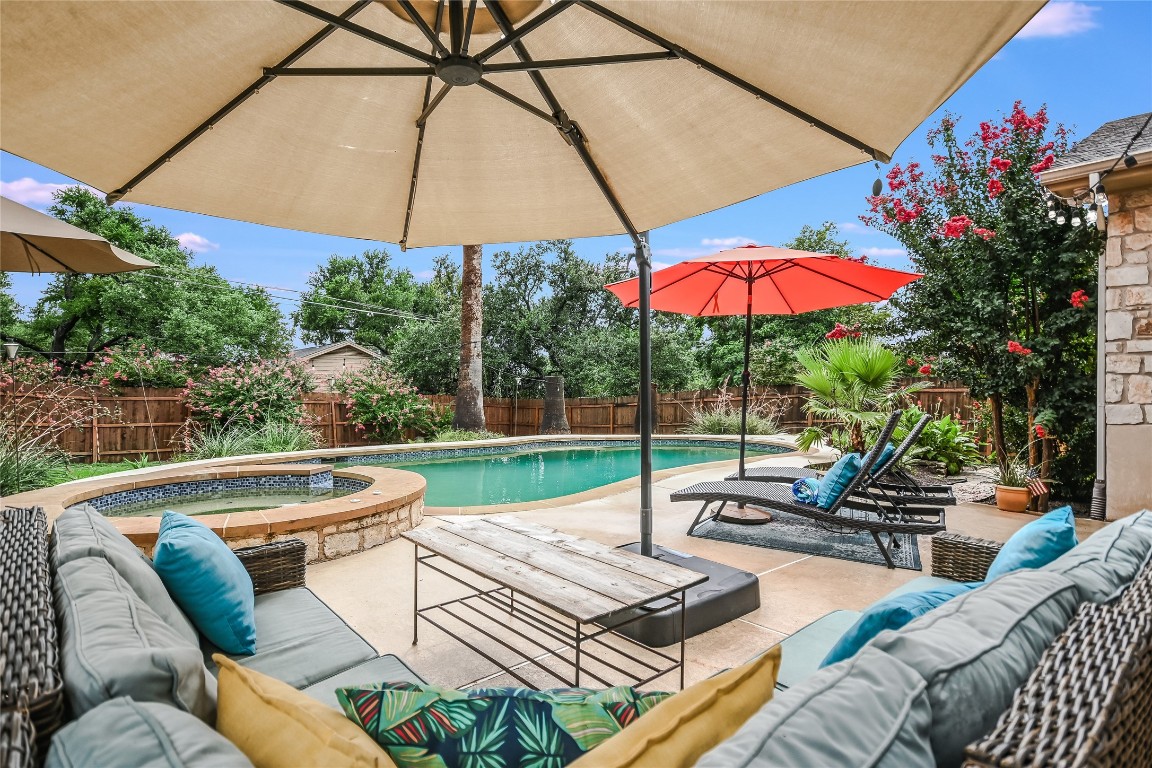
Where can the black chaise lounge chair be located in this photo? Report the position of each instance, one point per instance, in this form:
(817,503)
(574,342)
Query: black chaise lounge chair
(875,518)
(886,484)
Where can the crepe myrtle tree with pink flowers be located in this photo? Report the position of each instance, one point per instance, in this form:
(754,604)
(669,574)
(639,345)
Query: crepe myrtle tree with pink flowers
(382,405)
(250,394)
(1007,300)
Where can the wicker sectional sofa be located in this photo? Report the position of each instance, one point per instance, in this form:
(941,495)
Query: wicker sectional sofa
(1085,700)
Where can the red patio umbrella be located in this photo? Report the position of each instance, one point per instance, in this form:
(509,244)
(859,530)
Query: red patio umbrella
(763,280)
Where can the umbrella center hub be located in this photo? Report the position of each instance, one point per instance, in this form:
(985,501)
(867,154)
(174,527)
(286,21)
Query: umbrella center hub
(459,70)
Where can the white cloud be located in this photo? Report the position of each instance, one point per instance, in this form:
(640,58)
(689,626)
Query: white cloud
(854,227)
(660,265)
(727,242)
(426,274)
(679,254)
(28,191)
(1061,20)
(884,251)
(197,243)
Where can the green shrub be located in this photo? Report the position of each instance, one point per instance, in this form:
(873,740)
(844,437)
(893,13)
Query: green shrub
(216,442)
(723,418)
(30,467)
(460,435)
(381,404)
(945,440)
(139,367)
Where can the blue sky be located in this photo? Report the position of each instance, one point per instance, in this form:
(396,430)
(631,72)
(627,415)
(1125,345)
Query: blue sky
(1089,62)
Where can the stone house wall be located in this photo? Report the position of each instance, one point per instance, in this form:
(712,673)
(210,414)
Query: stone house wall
(1128,352)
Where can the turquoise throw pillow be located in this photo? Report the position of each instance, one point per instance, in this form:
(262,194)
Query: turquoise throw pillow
(836,479)
(885,454)
(422,726)
(1037,543)
(208,582)
(893,613)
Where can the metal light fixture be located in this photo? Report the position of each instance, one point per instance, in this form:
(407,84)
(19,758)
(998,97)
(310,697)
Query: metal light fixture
(11,349)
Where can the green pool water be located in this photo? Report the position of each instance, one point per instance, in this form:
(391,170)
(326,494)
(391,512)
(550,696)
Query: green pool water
(534,475)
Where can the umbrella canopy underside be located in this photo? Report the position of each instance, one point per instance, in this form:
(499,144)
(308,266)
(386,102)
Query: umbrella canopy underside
(31,241)
(104,92)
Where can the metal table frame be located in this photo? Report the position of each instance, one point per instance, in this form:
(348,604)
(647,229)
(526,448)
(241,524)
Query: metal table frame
(499,604)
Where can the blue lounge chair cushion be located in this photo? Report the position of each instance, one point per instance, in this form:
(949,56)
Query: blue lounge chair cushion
(892,613)
(1036,544)
(834,482)
(885,454)
(208,581)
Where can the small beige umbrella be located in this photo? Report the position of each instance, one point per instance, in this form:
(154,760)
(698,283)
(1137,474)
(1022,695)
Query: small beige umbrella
(31,241)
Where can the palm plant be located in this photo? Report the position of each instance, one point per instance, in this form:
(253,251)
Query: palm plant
(854,385)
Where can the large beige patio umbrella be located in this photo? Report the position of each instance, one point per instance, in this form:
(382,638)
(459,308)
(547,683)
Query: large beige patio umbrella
(429,123)
(31,241)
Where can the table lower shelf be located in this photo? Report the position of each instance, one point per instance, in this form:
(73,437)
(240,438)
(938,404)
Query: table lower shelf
(522,637)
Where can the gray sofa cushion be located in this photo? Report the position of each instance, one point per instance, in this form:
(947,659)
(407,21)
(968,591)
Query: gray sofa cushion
(385,669)
(112,644)
(871,710)
(299,639)
(1107,561)
(976,649)
(83,532)
(803,650)
(142,735)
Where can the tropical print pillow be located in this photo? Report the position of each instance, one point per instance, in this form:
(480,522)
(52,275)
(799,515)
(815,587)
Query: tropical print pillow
(425,726)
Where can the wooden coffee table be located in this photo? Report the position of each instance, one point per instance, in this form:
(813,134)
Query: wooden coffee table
(556,593)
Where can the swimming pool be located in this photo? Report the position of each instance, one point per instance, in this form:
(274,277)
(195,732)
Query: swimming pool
(229,501)
(508,477)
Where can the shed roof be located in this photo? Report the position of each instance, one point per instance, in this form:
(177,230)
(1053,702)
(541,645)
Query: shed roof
(308,353)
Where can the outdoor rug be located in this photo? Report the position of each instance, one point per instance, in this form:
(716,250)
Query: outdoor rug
(792,533)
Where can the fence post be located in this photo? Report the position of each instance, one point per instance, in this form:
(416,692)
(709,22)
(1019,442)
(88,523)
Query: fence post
(332,412)
(95,431)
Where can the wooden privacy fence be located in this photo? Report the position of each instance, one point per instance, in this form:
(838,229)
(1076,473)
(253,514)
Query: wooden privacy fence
(147,421)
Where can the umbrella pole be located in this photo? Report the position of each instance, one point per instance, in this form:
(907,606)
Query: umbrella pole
(746,378)
(644,401)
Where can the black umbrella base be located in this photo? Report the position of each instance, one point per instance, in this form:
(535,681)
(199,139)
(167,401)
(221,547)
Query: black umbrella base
(727,594)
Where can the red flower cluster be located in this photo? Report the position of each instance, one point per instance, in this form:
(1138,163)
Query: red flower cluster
(906,215)
(1021,121)
(956,226)
(1017,348)
(987,234)
(1079,299)
(910,362)
(995,187)
(1040,431)
(842,331)
(1044,164)
(990,134)
(925,369)
(1000,164)
(895,182)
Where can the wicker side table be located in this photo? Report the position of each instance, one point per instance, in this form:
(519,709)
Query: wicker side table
(30,678)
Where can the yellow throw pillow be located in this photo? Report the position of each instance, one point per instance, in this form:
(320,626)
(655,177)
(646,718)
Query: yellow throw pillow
(277,726)
(679,730)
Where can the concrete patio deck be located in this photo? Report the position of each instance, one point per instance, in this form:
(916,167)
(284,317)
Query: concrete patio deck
(373,590)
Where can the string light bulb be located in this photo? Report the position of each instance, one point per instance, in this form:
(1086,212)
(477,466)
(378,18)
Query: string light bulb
(1060,219)
(1075,219)
(1092,215)
(1129,161)
(1051,213)
(1101,195)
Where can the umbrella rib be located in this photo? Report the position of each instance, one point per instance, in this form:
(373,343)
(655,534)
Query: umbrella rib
(878,296)
(358,30)
(350,71)
(548,13)
(29,244)
(421,122)
(498,91)
(224,111)
(422,25)
(468,27)
(590,61)
(739,82)
(456,25)
(567,127)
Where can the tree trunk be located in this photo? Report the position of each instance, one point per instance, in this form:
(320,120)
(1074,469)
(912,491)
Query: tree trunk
(470,390)
(996,405)
(555,421)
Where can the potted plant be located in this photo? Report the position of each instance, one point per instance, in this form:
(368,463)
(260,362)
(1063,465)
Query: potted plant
(1012,494)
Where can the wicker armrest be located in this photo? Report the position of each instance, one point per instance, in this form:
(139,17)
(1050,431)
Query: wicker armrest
(279,565)
(1089,700)
(962,558)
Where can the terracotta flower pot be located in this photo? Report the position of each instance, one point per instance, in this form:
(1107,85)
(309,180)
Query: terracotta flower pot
(1012,499)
